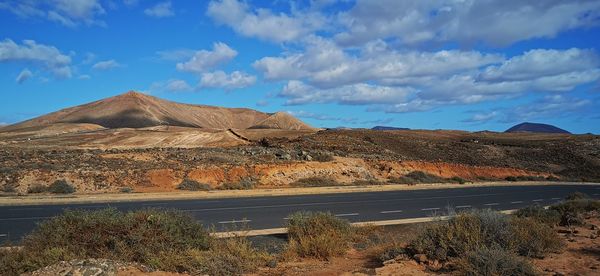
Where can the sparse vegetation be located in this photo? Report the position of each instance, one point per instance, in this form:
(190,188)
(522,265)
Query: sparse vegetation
(315,181)
(192,185)
(126,190)
(322,157)
(243,184)
(497,262)
(318,235)
(419,177)
(36,189)
(366,182)
(61,187)
(525,178)
(571,211)
(539,213)
(162,239)
(467,232)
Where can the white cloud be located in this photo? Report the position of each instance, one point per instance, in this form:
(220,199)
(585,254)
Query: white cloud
(298,92)
(66,12)
(326,65)
(23,76)
(84,77)
(326,73)
(106,65)
(30,52)
(220,79)
(204,60)
(159,10)
(505,21)
(263,23)
(178,85)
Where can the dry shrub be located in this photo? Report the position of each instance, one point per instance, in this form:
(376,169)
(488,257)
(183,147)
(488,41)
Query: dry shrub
(232,256)
(61,187)
(469,231)
(243,184)
(37,189)
(464,233)
(137,236)
(571,211)
(192,185)
(318,235)
(539,213)
(534,238)
(316,181)
(497,262)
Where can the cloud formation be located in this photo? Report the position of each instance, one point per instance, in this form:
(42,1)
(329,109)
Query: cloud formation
(47,57)
(204,60)
(263,23)
(160,10)
(23,76)
(220,79)
(505,21)
(106,65)
(69,13)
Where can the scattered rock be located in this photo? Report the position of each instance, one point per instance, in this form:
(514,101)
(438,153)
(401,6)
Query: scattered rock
(421,258)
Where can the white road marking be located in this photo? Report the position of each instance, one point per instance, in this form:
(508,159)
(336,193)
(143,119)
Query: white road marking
(346,215)
(463,206)
(537,200)
(430,209)
(516,202)
(391,212)
(491,204)
(235,221)
(3,235)
(334,203)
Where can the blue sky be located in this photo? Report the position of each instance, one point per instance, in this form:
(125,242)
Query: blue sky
(417,64)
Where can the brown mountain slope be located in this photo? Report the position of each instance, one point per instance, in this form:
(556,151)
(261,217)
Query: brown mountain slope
(137,110)
(282,120)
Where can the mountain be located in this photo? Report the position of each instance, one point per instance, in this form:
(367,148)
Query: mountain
(137,110)
(537,128)
(389,128)
(281,120)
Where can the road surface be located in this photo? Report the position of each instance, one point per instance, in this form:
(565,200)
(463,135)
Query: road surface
(271,212)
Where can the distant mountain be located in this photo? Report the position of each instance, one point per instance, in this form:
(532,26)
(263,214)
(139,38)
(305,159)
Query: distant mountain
(389,128)
(537,128)
(138,110)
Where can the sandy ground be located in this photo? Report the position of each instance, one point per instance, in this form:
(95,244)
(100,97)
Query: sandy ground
(124,197)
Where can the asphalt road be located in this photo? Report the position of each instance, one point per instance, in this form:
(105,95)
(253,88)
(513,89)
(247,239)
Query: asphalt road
(271,212)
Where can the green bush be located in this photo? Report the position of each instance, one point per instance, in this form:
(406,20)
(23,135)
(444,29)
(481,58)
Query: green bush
(61,187)
(192,185)
(315,181)
(537,212)
(243,184)
(493,262)
(37,189)
(318,235)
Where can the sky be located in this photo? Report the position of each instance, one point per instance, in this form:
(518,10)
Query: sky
(429,64)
